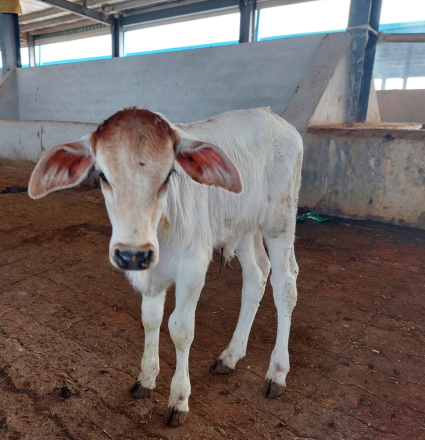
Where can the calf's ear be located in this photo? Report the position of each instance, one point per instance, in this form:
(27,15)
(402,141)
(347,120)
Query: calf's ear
(61,167)
(208,164)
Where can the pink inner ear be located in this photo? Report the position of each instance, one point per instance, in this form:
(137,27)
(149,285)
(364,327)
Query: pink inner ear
(195,163)
(75,164)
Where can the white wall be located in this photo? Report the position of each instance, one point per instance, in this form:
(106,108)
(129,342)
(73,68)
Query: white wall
(9,101)
(185,86)
(402,105)
(377,177)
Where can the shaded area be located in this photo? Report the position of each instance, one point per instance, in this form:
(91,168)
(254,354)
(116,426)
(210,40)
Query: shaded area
(70,327)
(14,189)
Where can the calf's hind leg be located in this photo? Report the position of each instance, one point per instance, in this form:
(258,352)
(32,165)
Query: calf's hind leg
(255,270)
(283,281)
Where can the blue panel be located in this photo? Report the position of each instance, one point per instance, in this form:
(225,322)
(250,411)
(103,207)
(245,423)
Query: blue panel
(175,49)
(300,35)
(50,63)
(404,28)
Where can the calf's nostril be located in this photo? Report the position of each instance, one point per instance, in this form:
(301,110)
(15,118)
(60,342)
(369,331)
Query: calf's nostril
(129,260)
(119,258)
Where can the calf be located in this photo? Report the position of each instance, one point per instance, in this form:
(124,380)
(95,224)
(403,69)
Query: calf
(173,195)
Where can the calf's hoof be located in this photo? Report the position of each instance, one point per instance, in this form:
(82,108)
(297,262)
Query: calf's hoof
(139,392)
(219,368)
(272,390)
(175,418)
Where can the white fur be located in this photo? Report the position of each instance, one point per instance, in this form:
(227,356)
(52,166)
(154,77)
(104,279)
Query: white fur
(267,152)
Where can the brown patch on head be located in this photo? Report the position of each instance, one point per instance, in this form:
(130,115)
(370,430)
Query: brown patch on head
(140,124)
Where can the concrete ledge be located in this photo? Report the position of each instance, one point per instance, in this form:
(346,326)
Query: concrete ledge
(388,131)
(379,178)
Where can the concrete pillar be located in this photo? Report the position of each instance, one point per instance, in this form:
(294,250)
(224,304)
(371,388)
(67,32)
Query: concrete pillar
(10,42)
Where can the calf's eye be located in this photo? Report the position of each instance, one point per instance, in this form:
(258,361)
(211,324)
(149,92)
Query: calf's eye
(103,178)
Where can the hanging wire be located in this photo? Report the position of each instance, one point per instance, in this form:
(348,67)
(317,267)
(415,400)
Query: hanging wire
(221,266)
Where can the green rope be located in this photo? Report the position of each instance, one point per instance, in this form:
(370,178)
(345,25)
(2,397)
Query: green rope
(313,216)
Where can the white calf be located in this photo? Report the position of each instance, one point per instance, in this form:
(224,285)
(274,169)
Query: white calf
(168,223)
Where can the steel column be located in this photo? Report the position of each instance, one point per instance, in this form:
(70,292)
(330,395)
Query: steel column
(247,27)
(407,65)
(117,37)
(10,42)
(31,49)
(363,26)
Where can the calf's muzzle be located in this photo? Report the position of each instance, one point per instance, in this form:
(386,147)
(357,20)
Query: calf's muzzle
(131,260)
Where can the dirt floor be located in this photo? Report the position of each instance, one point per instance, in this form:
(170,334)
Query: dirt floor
(70,327)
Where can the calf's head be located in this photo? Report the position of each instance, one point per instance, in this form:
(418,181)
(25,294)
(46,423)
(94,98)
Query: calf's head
(135,152)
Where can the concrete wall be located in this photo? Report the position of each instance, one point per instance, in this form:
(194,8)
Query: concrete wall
(27,140)
(184,86)
(332,108)
(374,178)
(304,78)
(402,105)
(9,99)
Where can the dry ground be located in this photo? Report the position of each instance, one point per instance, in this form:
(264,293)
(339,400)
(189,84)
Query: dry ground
(68,319)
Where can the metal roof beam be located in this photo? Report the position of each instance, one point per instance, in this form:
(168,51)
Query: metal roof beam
(194,8)
(131,4)
(401,38)
(75,27)
(68,18)
(38,15)
(79,10)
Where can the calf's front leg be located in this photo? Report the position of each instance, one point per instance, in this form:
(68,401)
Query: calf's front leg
(152,313)
(181,324)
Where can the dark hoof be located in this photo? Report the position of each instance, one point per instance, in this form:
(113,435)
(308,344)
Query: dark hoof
(139,392)
(175,418)
(272,390)
(219,368)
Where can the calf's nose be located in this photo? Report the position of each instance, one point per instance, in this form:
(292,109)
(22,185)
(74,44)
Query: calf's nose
(130,260)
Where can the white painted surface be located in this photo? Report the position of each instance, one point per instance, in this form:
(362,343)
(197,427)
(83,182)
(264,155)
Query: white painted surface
(316,79)
(191,85)
(9,101)
(26,140)
(333,105)
(185,86)
(402,105)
